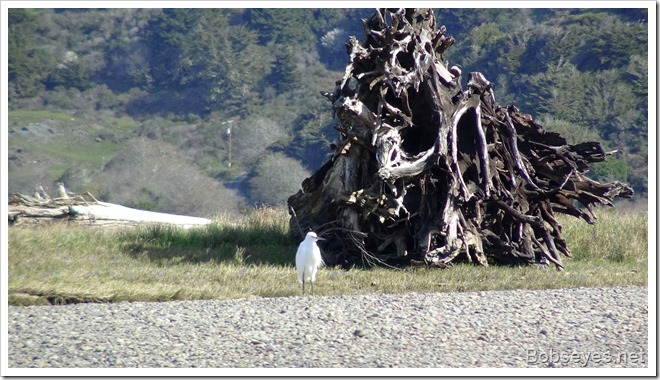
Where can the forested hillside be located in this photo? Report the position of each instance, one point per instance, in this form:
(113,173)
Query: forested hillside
(208,111)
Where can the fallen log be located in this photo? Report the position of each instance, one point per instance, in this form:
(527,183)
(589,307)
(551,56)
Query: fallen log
(426,170)
(84,209)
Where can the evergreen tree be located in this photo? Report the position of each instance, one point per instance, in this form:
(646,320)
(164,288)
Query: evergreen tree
(28,65)
(286,75)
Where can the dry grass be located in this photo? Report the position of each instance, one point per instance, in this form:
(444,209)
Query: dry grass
(253,257)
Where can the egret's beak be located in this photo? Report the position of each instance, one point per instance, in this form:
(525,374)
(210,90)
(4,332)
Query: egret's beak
(319,238)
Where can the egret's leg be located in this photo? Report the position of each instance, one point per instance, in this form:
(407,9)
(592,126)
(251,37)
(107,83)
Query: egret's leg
(303,282)
(312,283)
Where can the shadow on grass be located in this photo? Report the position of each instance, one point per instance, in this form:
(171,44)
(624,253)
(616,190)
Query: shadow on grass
(215,242)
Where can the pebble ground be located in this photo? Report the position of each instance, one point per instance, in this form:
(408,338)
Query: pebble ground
(583,327)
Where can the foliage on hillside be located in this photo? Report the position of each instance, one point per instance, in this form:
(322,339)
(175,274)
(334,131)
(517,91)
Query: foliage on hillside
(179,75)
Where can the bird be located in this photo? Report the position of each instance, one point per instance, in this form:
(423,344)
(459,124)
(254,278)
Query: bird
(308,260)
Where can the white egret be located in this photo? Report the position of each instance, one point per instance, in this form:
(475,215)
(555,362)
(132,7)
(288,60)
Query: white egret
(308,260)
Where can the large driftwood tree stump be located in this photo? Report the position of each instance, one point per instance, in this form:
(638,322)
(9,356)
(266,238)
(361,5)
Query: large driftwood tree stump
(426,170)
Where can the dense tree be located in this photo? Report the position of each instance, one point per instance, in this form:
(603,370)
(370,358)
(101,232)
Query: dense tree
(198,49)
(28,63)
(285,75)
(283,25)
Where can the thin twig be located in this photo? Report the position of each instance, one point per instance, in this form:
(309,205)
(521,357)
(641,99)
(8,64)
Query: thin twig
(295,217)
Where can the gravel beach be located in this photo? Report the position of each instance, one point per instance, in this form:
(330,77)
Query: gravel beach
(594,327)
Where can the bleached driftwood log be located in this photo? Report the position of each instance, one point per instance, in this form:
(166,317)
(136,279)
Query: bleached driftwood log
(84,209)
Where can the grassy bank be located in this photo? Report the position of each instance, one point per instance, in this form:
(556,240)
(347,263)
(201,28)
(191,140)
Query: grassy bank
(254,257)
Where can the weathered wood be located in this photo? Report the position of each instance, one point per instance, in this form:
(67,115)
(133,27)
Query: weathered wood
(426,170)
(85,209)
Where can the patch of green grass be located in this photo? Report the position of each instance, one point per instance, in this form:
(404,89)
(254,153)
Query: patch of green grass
(57,171)
(26,117)
(260,237)
(70,152)
(37,116)
(74,140)
(617,237)
(254,256)
(121,123)
(94,154)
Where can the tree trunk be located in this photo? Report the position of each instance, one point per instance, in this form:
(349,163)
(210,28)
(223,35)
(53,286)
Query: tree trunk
(426,170)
